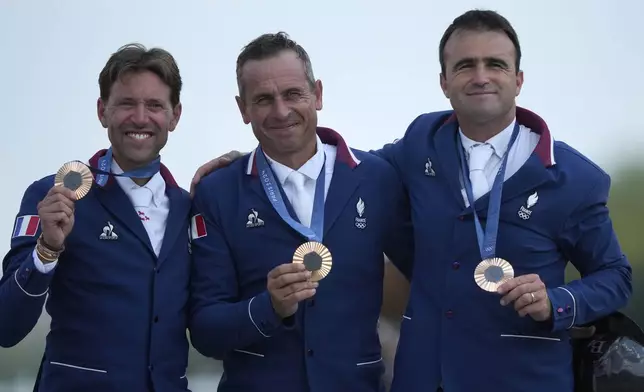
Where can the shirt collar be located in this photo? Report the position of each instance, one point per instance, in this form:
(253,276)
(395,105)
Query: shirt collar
(310,169)
(499,142)
(156,185)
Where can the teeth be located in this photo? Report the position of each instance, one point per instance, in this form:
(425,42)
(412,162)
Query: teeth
(139,136)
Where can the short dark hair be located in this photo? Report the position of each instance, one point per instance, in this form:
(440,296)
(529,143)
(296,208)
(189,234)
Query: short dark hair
(480,20)
(269,45)
(135,57)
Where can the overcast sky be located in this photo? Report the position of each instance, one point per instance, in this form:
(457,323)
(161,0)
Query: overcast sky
(377,60)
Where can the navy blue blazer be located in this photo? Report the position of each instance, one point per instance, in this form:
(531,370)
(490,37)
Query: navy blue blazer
(118,313)
(456,334)
(332,343)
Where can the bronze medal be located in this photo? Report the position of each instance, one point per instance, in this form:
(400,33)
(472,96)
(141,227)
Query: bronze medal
(315,257)
(75,176)
(492,273)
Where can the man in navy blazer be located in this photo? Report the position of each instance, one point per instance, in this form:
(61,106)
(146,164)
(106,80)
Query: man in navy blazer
(112,265)
(489,308)
(274,325)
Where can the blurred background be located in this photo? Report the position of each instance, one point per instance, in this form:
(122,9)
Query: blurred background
(378,61)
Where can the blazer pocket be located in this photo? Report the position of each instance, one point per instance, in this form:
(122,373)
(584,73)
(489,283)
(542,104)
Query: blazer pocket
(76,367)
(368,363)
(530,337)
(251,353)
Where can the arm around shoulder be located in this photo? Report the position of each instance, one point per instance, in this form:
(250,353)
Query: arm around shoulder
(25,280)
(220,321)
(590,243)
(399,241)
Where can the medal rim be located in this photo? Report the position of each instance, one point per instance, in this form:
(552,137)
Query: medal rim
(320,250)
(87,178)
(482,267)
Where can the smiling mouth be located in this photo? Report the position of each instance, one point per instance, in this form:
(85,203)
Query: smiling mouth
(482,93)
(280,128)
(139,135)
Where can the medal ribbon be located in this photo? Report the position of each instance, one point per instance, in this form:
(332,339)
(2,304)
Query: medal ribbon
(272,189)
(105,164)
(487,240)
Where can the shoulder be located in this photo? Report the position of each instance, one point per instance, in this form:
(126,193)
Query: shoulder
(428,122)
(374,165)
(578,169)
(223,178)
(40,187)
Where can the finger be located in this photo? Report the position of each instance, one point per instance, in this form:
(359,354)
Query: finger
(521,290)
(55,217)
(61,190)
(293,288)
(526,299)
(539,311)
(59,197)
(532,309)
(57,206)
(288,279)
(286,268)
(300,296)
(515,282)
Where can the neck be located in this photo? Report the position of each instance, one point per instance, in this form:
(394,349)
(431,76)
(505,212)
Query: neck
(294,159)
(128,166)
(484,131)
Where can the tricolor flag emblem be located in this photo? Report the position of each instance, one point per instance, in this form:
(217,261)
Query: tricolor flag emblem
(198,227)
(26,226)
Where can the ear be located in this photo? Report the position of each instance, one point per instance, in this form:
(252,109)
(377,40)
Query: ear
(443,83)
(318,95)
(176,115)
(100,111)
(242,109)
(519,82)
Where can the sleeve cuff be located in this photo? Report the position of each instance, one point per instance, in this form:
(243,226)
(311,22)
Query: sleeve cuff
(262,315)
(40,265)
(32,282)
(564,308)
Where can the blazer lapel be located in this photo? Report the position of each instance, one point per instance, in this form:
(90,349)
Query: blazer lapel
(448,159)
(530,176)
(344,183)
(176,222)
(120,207)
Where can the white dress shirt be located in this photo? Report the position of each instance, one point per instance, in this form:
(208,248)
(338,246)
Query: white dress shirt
(519,153)
(302,196)
(150,203)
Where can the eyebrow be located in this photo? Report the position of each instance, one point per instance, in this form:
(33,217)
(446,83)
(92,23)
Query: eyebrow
(487,60)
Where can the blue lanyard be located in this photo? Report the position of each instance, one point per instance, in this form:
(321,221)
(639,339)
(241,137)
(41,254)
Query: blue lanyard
(105,164)
(487,240)
(272,189)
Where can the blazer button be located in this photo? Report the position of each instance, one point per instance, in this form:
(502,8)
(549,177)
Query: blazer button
(311,303)
(449,314)
(309,352)
(156,319)
(456,265)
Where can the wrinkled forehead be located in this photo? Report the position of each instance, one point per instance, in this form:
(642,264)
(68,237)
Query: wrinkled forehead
(140,85)
(274,74)
(479,45)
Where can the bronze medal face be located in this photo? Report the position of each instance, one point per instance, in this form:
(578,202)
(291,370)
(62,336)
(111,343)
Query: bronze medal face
(75,176)
(492,273)
(316,258)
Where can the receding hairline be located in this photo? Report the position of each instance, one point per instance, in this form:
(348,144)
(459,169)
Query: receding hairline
(283,52)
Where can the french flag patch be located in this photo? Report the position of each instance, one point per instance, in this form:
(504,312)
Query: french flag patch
(26,226)
(198,227)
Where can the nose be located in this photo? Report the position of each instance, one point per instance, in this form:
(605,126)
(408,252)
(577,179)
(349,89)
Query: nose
(140,115)
(280,109)
(481,75)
